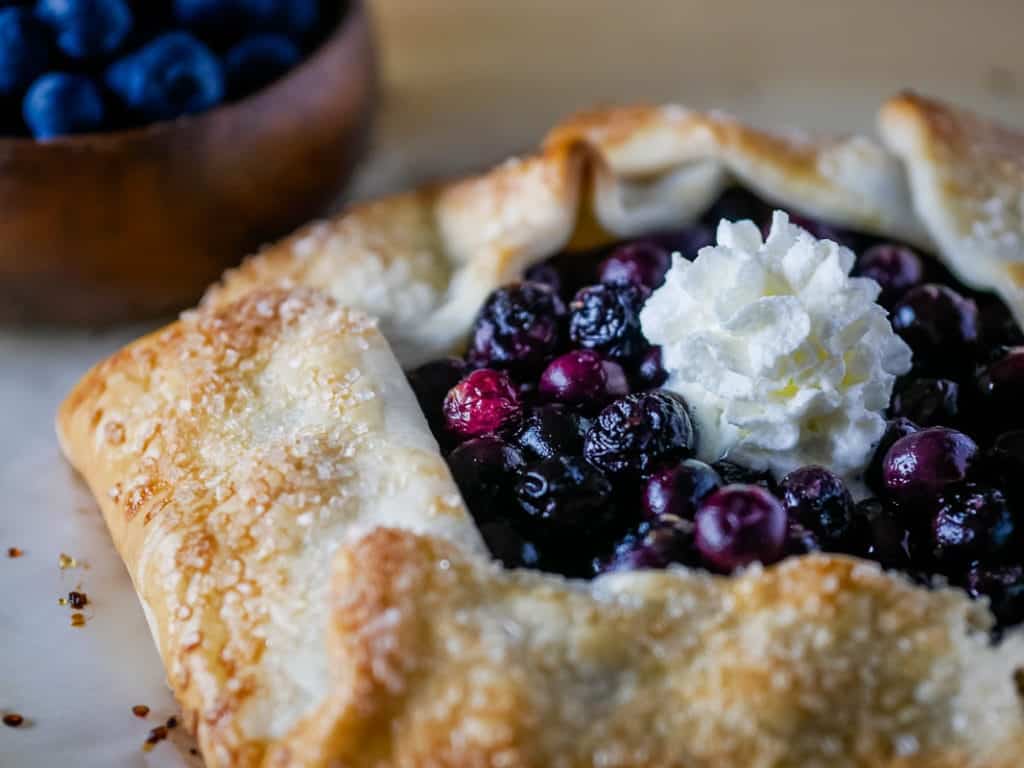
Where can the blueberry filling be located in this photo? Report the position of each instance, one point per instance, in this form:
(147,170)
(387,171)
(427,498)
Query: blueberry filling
(574,461)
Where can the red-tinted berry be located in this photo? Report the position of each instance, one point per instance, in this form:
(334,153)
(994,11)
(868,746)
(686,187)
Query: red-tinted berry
(582,378)
(738,525)
(482,402)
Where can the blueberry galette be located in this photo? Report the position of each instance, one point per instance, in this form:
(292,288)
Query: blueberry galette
(676,444)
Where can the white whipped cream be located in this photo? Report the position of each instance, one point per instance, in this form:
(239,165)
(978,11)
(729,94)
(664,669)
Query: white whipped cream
(784,359)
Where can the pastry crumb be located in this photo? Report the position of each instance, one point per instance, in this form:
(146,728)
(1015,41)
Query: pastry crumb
(13,720)
(14,552)
(66,561)
(140,710)
(77,600)
(77,619)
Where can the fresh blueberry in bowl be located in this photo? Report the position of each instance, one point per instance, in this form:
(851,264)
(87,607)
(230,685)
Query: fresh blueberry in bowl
(482,402)
(257,61)
(820,501)
(641,262)
(923,464)
(87,29)
(678,488)
(59,104)
(738,525)
(173,75)
(606,318)
(519,326)
(940,325)
(638,432)
(895,268)
(25,51)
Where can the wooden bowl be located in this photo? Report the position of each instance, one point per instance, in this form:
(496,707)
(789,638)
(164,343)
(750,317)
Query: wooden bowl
(126,225)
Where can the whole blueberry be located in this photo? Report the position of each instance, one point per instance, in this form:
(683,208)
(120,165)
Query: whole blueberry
(941,327)
(894,430)
(508,546)
(655,547)
(173,75)
(431,383)
(87,29)
(928,402)
(606,318)
(738,525)
(258,61)
(820,501)
(520,325)
(485,470)
(1003,585)
(59,104)
(638,432)
(1000,391)
(922,464)
(564,493)
(482,402)
(547,431)
(581,377)
(677,489)
(734,474)
(895,268)
(24,50)
(642,263)
(883,533)
(970,522)
(649,373)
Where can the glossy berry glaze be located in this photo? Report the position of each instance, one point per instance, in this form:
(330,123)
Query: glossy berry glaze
(573,461)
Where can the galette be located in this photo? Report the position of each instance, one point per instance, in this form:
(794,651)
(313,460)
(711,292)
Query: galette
(678,443)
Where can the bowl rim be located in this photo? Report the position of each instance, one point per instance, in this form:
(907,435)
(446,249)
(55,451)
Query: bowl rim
(340,36)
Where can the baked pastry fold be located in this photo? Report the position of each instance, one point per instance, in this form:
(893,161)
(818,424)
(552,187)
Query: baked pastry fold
(320,595)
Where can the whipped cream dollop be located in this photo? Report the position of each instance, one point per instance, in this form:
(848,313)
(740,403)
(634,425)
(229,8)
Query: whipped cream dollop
(784,359)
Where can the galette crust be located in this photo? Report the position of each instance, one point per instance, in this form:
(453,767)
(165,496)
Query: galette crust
(320,595)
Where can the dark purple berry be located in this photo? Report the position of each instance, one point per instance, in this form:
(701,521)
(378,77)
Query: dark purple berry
(940,325)
(482,402)
(641,263)
(508,546)
(581,377)
(1001,391)
(1003,464)
(999,324)
(921,465)
(87,29)
(970,522)
(1003,585)
(638,432)
(658,546)
(547,431)
(545,273)
(819,500)
(733,474)
(431,383)
(883,534)
(894,430)
(649,373)
(565,493)
(800,540)
(520,325)
(928,402)
(895,268)
(606,318)
(678,489)
(484,469)
(738,525)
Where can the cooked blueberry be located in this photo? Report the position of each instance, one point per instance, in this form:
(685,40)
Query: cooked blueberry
(649,373)
(24,50)
(655,547)
(431,383)
(895,268)
(482,402)
(1000,326)
(738,525)
(1001,391)
(638,432)
(519,325)
(894,430)
(970,522)
(883,533)
(1004,463)
(547,431)
(641,262)
(678,488)
(545,273)
(733,474)
(1003,585)
(800,540)
(606,318)
(921,465)
(581,377)
(484,469)
(508,546)
(940,325)
(258,61)
(565,493)
(59,104)
(928,402)
(87,29)
(819,500)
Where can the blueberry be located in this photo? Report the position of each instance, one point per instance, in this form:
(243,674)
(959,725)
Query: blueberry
(895,268)
(655,547)
(1000,326)
(59,104)
(508,546)
(1003,585)
(24,50)
(564,494)
(883,534)
(678,489)
(928,402)
(1000,391)
(733,474)
(894,430)
(642,263)
(485,469)
(638,432)
(921,465)
(545,273)
(173,75)
(482,402)
(1004,463)
(258,61)
(970,522)
(819,500)
(650,374)
(431,383)
(606,318)
(800,540)
(520,325)
(87,29)
(738,525)
(582,378)
(941,327)
(548,431)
